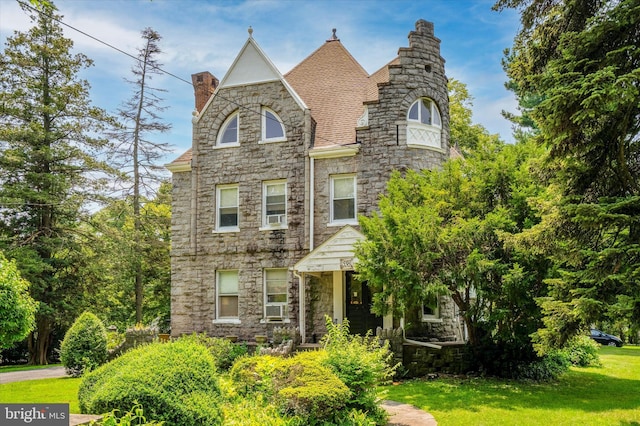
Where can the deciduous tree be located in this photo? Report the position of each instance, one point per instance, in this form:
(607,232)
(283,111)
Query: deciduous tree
(17,308)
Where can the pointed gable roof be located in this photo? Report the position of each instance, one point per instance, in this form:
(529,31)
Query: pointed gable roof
(333,84)
(330,255)
(252,66)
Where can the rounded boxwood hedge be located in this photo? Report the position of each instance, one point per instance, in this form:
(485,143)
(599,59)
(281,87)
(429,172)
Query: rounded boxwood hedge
(301,386)
(174,382)
(84,347)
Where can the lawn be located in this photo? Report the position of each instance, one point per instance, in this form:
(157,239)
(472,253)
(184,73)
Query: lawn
(62,390)
(608,395)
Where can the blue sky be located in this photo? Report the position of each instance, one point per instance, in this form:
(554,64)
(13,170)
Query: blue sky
(206,35)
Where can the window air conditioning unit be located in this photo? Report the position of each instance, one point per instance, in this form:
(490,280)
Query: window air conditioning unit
(276,219)
(275,311)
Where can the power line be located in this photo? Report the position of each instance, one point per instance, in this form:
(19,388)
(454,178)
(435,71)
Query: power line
(154,66)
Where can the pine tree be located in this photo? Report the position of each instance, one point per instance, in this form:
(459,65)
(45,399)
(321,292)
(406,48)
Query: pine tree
(50,165)
(581,58)
(136,152)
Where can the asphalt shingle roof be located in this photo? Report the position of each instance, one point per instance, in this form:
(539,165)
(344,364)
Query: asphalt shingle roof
(334,86)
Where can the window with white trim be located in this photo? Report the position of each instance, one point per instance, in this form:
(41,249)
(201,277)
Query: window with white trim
(276,295)
(229,132)
(274,203)
(227,208)
(227,294)
(431,309)
(424,124)
(272,127)
(343,199)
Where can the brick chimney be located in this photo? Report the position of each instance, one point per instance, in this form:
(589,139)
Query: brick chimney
(204,84)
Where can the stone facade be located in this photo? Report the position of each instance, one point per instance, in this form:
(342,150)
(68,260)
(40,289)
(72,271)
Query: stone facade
(381,146)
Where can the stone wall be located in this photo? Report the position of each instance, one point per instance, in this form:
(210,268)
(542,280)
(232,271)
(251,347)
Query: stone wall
(419,361)
(199,250)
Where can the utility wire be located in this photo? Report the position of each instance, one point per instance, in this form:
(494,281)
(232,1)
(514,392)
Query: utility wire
(153,66)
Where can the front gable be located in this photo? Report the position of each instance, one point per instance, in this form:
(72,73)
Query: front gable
(252,66)
(335,254)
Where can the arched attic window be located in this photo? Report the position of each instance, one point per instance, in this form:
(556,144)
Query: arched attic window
(272,127)
(228,134)
(424,124)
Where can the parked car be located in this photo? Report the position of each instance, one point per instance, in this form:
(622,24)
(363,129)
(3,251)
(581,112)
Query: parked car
(605,339)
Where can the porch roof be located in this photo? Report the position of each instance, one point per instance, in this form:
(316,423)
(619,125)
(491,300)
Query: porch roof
(335,254)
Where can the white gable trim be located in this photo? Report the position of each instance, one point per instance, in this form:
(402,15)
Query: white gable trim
(178,167)
(335,254)
(251,66)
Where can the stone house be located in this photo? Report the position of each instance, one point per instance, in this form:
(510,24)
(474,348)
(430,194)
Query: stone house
(265,203)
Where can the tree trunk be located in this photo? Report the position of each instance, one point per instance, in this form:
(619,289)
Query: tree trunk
(38,343)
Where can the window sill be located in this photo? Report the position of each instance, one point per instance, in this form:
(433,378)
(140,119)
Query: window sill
(343,223)
(227,321)
(275,321)
(268,141)
(226,230)
(230,145)
(421,146)
(272,227)
(432,319)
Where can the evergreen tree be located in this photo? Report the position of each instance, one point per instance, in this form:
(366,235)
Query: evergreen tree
(49,164)
(582,58)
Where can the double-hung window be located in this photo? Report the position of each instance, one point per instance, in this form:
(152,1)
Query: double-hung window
(274,203)
(227,295)
(227,208)
(275,284)
(343,199)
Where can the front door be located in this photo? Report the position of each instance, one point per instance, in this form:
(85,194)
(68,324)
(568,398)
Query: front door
(358,309)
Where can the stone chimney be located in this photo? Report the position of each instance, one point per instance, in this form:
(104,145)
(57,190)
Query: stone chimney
(204,84)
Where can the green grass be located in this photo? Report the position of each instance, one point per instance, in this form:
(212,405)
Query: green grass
(10,368)
(607,395)
(61,390)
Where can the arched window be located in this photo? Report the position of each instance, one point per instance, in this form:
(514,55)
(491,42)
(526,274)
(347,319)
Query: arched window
(272,127)
(424,124)
(229,134)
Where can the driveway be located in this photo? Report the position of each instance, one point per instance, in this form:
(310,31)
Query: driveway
(42,373)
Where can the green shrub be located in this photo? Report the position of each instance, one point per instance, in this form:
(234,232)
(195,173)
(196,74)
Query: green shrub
(256,411)
(360,362)
(253,374)
(300,386)
(84,346)
(114,339)
(224,351)
(548,368)
(133,417)
(308,389)
(582,351)
(174,382)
